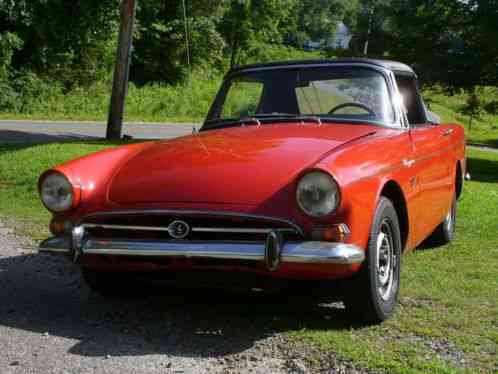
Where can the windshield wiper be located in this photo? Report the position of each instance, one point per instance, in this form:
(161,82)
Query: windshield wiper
(297,117)
(309,119)
(218,123)
(260,118)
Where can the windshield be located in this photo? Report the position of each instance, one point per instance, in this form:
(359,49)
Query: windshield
(338,93)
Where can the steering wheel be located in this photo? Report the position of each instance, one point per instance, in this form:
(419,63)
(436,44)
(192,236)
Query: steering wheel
(356,105)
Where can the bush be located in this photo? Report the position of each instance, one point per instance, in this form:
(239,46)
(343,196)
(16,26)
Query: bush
(265,52)
(9,43)
(186,101)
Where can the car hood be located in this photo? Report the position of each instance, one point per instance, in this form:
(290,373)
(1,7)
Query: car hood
(240,165)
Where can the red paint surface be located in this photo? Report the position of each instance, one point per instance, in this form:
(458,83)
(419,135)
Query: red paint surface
(254,169)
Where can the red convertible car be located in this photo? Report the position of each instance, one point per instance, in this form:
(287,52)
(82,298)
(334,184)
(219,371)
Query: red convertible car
(309,171)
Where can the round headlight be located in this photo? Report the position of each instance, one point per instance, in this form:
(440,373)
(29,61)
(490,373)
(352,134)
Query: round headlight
(57,193)
(318,194)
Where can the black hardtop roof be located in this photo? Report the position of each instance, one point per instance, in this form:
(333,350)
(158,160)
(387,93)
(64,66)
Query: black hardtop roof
(387,64)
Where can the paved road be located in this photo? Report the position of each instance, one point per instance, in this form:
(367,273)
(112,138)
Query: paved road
(44,131)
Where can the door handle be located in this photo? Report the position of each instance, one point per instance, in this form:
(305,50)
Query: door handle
(447,132)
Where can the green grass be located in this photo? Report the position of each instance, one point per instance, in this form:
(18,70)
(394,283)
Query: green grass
(185,102)
(484,129)
(20,167)
(449,295)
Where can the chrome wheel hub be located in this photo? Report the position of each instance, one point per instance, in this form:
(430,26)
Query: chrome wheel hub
(386,261)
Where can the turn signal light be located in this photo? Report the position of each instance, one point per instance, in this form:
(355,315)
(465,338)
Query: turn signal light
(59,227)
(334,233)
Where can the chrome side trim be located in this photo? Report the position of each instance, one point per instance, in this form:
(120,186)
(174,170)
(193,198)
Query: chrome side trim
(187,213)
(193,229)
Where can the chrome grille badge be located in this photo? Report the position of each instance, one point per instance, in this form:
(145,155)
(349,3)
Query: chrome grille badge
(178,229)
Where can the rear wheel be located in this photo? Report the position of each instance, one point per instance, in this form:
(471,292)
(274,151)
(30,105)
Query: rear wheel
(445,232)
(371,296)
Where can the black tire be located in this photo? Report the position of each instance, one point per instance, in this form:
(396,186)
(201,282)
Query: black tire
(445,232)
(370,297)
(110,284)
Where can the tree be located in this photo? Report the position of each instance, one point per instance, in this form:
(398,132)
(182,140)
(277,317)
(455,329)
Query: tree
(9,43)
(368,21)
(246,24)
(450,42)
(317,20)
(472,108)
(75,52)
(159,53)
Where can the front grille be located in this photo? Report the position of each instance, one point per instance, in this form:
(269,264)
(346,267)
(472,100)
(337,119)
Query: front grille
(203,227)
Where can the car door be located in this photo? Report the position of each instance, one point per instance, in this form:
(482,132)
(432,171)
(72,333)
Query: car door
(431,160)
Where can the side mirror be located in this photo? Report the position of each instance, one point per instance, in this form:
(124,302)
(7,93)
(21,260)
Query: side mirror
(433,118)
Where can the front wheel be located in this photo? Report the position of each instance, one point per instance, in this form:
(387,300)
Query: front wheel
(371,296)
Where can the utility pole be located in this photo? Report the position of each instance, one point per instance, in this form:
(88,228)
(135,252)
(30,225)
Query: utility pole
(185,22)
(121,70)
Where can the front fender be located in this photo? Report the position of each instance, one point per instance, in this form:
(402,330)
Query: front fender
(90,175)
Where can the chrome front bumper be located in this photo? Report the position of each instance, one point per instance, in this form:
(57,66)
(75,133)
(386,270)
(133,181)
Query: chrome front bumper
(290,252)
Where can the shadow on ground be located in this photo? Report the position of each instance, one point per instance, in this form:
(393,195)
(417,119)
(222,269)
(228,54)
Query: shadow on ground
(483,169)
(11,141)
(11,136)
(44,294)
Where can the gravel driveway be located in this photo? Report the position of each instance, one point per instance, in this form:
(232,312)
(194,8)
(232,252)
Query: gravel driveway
(50,322)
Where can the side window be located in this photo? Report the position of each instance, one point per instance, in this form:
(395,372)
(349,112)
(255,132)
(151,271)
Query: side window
(408,88)
(243,99)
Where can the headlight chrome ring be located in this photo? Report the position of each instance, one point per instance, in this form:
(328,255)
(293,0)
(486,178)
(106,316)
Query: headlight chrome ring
(318,194)
(57,193)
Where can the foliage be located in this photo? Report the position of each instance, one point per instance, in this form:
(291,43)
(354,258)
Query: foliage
(317,20)
(74,53)
(160,48)
(188,100)
(9,43)
(485,126)
(43,56)
(472,108)
(250,23)
(450,42)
